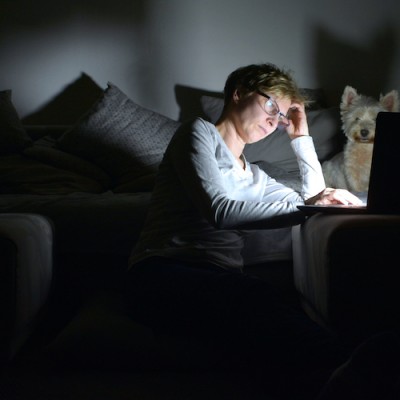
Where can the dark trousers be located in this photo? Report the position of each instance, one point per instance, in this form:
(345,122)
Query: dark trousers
(241,316)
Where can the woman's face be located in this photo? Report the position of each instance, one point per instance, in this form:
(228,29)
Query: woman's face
(254,123)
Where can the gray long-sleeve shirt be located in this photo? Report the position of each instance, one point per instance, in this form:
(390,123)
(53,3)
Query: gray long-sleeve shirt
(204,202)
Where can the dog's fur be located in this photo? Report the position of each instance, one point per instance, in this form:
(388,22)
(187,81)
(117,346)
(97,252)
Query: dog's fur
(350,169)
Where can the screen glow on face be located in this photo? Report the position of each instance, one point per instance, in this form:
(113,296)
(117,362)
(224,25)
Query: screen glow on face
(271,108)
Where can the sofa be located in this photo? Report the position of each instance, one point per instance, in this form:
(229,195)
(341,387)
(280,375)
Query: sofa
(92,181)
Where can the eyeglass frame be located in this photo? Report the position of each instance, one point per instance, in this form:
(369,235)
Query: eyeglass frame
(281,116)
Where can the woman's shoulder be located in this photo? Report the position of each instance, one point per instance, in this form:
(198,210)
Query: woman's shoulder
(199,123)
(196,135)
(198,128)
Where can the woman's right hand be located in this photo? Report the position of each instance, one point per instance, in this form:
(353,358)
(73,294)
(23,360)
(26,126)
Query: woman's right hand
(334,196)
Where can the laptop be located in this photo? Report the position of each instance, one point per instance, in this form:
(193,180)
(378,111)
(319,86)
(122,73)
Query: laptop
(383,196)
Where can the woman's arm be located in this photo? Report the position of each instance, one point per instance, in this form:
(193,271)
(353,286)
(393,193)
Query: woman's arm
(194,157)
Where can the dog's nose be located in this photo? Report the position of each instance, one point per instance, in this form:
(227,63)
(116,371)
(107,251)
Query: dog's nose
(364,132)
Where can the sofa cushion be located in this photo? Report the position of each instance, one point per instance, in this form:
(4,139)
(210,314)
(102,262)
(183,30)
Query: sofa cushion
(124,139)
(13,137)
(23,175)
(44,150)
(89,223)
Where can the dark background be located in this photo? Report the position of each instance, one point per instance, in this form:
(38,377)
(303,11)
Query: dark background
(156,49)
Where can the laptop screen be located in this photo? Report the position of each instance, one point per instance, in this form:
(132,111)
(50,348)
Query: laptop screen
(384,192)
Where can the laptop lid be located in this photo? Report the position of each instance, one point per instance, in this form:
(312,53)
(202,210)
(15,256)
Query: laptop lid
(383,191)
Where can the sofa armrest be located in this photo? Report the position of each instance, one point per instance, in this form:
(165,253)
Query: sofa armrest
(26,267)
(347,271)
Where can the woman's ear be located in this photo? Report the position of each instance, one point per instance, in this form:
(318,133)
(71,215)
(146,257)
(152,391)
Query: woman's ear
(236,95)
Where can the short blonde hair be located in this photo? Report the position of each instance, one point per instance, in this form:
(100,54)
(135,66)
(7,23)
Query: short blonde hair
(267,78)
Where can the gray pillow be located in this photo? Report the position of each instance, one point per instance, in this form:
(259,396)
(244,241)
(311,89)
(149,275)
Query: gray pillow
(124,139)
(13,137)
(212,107)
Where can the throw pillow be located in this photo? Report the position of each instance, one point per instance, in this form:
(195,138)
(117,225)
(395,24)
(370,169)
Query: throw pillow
(124,139)
(13,137)
(43,150)
(23,175)
(212,107)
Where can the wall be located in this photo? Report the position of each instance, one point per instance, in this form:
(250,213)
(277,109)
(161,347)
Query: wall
(149,48)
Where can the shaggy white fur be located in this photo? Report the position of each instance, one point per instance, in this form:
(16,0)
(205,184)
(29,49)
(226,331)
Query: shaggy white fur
(350,169)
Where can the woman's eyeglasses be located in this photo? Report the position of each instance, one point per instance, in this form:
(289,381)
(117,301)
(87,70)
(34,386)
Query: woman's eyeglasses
(271,108)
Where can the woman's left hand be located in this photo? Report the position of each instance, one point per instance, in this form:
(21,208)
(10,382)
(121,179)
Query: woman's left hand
(334,196)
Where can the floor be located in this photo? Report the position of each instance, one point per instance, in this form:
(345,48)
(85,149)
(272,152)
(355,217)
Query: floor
(67,375)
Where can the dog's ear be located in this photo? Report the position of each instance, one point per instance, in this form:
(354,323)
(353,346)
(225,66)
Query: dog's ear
(348,97)
(390,101)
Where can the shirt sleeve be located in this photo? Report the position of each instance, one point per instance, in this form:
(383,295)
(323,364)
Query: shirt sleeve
(195,162)
(310,168)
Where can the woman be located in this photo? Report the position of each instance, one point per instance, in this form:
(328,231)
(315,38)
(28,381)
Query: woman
(186,274)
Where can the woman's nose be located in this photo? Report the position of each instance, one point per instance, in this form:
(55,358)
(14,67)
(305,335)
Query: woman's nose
(272,121)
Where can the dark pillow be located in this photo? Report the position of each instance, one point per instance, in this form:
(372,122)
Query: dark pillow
(13,137)
(43,150)
(23,175)
(315,98)
(124,139)
(212,107)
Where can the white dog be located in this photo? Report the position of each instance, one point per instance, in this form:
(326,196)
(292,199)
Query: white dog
(350,169)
